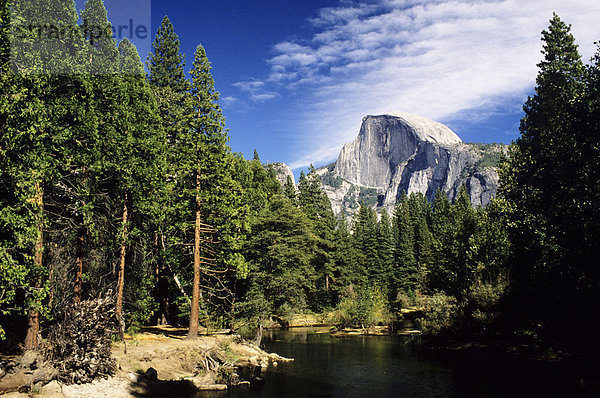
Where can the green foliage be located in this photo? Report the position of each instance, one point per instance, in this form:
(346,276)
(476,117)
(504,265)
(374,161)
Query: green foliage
(454,227)
(77,148)
(334,181)
(281,250)
(368,196)
(441,313)
(313,202)
(483,302)
(225,375)
(362,308)
(412,242)
(550,182)
(166,63)
(491,156)
(289,190)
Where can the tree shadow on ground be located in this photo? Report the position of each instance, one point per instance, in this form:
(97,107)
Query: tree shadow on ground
(146,385)
(166,330)
(142,387)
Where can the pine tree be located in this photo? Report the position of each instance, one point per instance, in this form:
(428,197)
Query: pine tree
(289,190)
(41,120)
(540,164)
(166,63)
(313,201)
(365,242)
(350,271)
(176,112)
(545,181)
(207,162)
(385,253)
(463,269)
(101,50)
(420,218)
(280,250)
(444,248)
(136,169)
(406,275)
(101,63)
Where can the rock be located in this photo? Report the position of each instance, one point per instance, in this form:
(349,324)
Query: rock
(408,153)
(212,387)
(278,358)
(282,171)
(52,389)
(45,373)
(29,359)
(257,382)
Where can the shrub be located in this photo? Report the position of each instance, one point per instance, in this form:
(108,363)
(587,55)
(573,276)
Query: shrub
(440,313)
(483,300)
(361,308)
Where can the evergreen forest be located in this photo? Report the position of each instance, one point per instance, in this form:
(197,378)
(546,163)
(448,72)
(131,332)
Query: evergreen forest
(116,180)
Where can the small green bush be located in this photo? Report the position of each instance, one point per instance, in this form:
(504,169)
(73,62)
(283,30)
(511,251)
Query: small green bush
(361,308)
(483,299)
(225,375)
(440,313)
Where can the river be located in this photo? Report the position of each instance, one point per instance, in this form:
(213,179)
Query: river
(376,366)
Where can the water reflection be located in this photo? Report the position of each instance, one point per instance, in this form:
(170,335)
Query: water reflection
(364,366)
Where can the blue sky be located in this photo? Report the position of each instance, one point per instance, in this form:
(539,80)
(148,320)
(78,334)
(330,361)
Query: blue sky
(296,77)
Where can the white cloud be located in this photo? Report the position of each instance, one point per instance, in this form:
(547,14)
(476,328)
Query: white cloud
(256,90)
(433,58)
(226,101)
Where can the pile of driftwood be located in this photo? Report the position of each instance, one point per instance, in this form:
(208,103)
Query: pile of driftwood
(80,344)
(213,360)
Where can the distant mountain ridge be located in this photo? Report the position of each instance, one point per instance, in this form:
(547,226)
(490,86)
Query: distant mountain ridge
(401,152)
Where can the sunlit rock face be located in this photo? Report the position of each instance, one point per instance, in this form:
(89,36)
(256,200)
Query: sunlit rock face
(282,171)
(402,152)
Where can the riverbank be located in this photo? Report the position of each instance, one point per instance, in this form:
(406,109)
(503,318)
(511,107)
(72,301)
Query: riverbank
(161,361)
(403,327)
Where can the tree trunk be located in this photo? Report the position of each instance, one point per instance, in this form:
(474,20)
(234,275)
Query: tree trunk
(80,241)
(33,316)
(79,265)
(195,308)
(121,278)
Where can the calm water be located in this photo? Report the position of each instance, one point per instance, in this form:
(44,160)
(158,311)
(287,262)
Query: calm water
(363,366)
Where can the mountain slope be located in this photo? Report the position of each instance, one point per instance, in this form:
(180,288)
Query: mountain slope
(403,152)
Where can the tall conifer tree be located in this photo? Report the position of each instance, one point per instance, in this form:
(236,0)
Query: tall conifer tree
(166,62)
(207,162)
(545,182)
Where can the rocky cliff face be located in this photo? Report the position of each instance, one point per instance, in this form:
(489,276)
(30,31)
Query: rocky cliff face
(282,171)
(404,152)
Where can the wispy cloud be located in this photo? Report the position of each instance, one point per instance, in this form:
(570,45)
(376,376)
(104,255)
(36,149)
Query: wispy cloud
(228,101)
(256,90)
(434,58)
